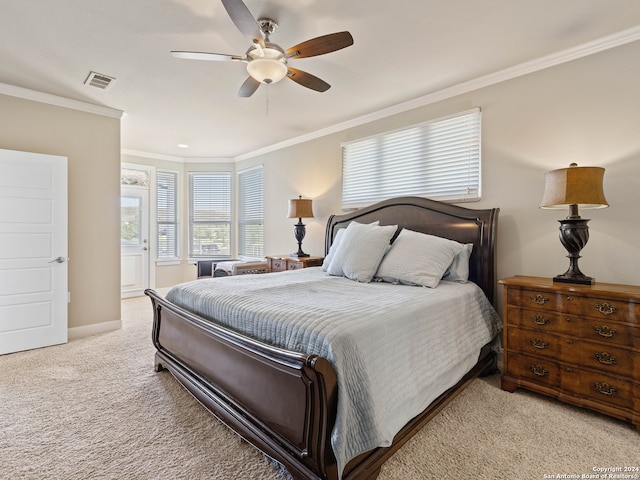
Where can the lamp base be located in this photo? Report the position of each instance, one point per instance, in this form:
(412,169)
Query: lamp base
(299,232)
(574,234)
(579,279)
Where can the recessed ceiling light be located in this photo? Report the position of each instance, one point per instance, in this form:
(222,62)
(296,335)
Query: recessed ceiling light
(183,145)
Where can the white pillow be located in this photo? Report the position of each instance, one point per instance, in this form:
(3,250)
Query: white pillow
(334,246)
(418,259)
(332,250)
(458,271)
(360,251)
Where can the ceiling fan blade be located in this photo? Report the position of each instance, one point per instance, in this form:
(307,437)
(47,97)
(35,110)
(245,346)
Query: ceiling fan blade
(214,57)
(320,45)
(307,80)
(249,87)
(243,20)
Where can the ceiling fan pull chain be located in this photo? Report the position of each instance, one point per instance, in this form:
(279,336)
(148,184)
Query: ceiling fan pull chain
(266,113)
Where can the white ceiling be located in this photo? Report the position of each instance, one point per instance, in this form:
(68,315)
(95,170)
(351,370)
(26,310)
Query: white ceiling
(403,50)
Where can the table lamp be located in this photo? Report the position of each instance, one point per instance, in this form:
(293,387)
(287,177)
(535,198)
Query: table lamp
(300,208)
(574,187)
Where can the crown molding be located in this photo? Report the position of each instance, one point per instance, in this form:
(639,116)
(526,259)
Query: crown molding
(25,93)
(618,39)
(156,156)
(170,158)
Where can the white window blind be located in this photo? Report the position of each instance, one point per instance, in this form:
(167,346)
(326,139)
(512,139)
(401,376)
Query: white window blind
(167,214)
(439,159)
(209,215)
(251,212)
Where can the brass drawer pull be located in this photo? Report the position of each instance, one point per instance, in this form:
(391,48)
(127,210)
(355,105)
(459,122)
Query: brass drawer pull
(605,388)
(539,370)
(605,331)
(539,319)
(606,358)
(539,343)
(605,308)
(539,299)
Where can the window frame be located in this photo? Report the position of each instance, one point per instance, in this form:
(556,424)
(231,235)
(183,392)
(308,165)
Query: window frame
(226,212)
(174,223)
(250,209)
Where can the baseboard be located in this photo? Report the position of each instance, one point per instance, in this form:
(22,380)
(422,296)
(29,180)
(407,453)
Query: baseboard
(87,330)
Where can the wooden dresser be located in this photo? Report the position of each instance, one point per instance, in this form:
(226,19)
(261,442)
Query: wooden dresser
(280,263)
(577,343)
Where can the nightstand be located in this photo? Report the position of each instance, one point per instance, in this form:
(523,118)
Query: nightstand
(280,263)
(577,343)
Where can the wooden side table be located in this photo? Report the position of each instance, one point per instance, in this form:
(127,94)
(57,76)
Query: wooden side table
(280,263)
(577,343)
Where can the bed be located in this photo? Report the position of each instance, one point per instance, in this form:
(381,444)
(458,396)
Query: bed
(288,399)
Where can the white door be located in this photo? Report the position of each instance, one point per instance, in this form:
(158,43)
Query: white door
(134,241)
(33,250)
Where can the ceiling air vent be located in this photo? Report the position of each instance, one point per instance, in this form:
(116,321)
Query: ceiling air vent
(99,80)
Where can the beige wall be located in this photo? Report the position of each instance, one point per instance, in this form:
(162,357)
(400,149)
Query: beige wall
(587,111)
(92,145)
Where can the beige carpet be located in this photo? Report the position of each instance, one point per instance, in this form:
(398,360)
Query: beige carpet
(95,409)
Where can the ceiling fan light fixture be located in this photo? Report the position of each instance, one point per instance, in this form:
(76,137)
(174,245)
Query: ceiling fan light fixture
(267,61)
(267,70)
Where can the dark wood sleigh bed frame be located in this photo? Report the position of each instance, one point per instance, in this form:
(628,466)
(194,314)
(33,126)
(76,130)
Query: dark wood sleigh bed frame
(284,402)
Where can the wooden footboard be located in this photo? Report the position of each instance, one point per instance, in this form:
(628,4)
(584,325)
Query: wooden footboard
(282,402)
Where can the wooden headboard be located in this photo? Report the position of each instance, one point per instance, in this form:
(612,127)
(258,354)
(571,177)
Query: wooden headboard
(464,225)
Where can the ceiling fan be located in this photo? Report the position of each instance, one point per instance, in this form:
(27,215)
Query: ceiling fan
(267,62)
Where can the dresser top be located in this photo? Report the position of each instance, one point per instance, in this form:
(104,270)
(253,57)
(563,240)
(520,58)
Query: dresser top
(543,283)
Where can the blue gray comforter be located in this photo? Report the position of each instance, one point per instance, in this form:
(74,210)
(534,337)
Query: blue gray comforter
(395,348)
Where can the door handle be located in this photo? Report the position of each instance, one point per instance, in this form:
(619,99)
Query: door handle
(57,260)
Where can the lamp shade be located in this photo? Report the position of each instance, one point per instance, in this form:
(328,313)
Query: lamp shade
(300,208)
(581,186)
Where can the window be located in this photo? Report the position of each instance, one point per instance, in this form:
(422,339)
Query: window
(439,159)
(251,212)
(167,213)
(209,215)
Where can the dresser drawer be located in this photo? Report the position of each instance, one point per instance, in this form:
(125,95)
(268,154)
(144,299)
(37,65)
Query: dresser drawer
(543,343)
(606,389)
(540,370)
(532,342)
(291,265)
(608,309)
(543,300)
(277,264)
(543,320)
(610,359)
(607,332)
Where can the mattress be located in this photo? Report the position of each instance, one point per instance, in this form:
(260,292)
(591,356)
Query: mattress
(395,348)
